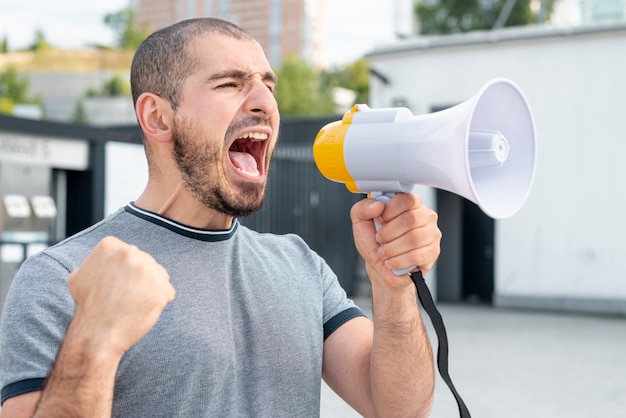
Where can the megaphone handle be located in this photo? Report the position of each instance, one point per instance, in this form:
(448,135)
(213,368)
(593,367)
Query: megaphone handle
(386,197)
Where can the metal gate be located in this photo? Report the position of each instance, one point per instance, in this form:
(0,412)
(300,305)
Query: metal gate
(301,201)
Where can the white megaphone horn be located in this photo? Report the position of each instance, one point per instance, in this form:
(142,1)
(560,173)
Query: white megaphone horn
(483,149)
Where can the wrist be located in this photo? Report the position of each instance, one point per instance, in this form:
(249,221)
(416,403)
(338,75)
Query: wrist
(395,303)
(94,345)
(83,377)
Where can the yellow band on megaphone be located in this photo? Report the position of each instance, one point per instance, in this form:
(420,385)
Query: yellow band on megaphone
(328,151)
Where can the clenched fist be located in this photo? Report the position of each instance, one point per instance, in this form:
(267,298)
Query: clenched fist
(120,292)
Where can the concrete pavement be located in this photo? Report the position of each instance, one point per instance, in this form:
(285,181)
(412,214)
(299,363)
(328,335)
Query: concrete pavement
(514,364)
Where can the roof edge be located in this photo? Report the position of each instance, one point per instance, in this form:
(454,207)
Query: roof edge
(508,34)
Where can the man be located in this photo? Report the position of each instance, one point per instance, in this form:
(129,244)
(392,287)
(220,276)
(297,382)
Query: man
(170,307)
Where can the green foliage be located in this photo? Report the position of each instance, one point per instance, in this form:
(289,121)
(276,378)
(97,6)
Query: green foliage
(304,91)
(300,91)
(6,105)
(80,114)
(452,16)
(91,92)
(129,34)
(40,43)
(4,45)
(354,76)
(14,87)
(13,90)
(116,86)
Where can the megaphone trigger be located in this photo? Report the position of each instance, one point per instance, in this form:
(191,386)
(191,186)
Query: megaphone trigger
(386,197)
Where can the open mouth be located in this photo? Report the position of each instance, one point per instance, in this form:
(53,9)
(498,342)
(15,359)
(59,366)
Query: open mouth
(247,154)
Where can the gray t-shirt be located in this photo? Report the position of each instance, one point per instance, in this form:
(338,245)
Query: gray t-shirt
(243,338)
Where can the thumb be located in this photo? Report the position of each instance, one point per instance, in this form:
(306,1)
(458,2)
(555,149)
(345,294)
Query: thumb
(367,211)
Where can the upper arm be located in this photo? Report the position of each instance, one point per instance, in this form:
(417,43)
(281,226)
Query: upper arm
(21,406)
(346,363)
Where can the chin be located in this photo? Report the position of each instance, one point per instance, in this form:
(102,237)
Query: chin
(246,201)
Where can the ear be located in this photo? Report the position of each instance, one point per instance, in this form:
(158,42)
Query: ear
(155,117)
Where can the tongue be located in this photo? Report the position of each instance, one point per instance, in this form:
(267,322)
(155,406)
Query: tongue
(243,161)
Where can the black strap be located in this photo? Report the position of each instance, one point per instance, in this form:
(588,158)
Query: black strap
(427,302)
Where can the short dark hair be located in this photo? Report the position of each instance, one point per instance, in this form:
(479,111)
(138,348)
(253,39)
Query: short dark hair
(163,62)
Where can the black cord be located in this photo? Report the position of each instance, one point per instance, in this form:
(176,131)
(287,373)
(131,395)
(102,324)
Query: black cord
(427,302)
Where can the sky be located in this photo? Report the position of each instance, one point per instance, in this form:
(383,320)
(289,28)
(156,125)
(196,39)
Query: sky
(353,27)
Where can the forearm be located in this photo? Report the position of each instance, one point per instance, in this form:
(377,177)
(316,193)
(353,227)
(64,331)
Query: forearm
(401,368)
(82,381)
(112,313)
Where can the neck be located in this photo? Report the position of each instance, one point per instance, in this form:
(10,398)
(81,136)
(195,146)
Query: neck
(178,204)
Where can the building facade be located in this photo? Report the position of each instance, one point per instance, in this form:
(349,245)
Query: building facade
(282,27)
(602,10)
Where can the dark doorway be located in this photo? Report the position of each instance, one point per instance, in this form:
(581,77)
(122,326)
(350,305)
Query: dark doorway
(478,237)
(465,270)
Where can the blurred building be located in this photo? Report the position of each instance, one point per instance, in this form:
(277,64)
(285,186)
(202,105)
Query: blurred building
(281,26)
(74,85)
(576,12)
(62,92)
(602,10)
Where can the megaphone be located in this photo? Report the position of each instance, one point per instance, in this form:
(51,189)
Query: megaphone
(483,149)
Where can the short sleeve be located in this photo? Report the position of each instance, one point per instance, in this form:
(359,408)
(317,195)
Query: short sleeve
(338,308)
(37,311)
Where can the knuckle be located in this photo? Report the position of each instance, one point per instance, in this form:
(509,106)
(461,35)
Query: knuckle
(417,200)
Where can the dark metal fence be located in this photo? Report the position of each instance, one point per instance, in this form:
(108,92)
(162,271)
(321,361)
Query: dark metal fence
(301,201)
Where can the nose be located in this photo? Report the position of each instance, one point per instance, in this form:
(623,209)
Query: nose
(261,100)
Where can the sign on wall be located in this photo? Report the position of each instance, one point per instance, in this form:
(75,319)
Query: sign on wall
(46,151)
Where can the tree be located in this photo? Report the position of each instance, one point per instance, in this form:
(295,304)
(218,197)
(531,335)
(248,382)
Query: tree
(300,91)
(440,17)
(13,89)
(40,43)
(354,76)
(304,91)
(4,45)
(80,113)
(116,86)
(129,33)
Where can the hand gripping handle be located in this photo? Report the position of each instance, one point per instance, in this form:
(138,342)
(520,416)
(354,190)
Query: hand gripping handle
(385,197)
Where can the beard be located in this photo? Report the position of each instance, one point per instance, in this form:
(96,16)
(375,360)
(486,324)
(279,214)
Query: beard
(200,160)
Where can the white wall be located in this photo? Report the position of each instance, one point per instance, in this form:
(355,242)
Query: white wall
(126,174)
(566,248)
(60,91)
(109,111)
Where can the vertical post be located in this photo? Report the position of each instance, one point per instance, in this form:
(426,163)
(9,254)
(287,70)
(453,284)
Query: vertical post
(97,156)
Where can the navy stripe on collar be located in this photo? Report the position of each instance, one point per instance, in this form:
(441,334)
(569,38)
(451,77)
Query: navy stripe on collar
(182,229)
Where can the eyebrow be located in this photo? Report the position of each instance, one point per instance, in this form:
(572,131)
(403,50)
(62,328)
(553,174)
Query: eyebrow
(267,76)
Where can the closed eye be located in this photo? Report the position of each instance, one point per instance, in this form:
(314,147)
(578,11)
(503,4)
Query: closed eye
(230,84)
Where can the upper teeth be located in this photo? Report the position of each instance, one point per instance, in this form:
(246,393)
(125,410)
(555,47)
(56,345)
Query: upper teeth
(255,136)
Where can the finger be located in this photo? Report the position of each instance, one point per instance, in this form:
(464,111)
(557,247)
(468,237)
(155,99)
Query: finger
(397,239)
(366,210)
(400,203)
(415,219)
(423,256)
